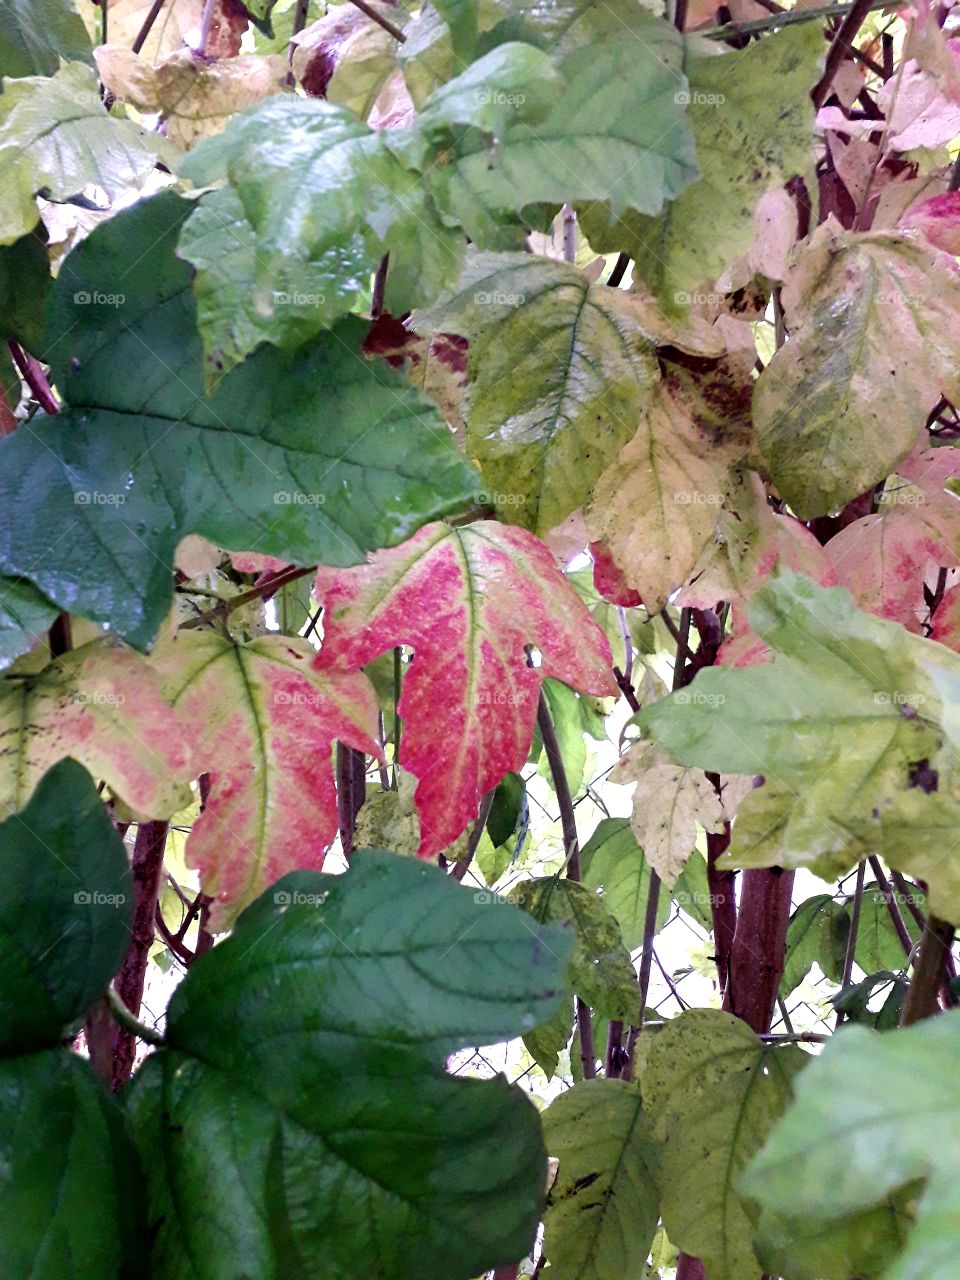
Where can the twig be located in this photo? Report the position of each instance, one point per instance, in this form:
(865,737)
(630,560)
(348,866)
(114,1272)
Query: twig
(883,884)
(568,823)
(206,22)
(839,49)
(351,791)
(462,865)
(372,14)
(852,936)
(928,971)
(788,19)
(34,377)
(904,889)
(262,591)
(147,27)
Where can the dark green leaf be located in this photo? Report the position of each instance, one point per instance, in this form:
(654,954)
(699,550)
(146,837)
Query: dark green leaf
(36,34)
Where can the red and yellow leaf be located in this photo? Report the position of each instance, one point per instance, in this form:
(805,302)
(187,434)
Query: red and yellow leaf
(467,600)
(262,723)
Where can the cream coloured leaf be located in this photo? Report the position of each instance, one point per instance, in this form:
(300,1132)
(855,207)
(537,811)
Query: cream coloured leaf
(668,803)
(177,23)
(656,506)
(195,96)
(347,57)
(100,704)
(262,723)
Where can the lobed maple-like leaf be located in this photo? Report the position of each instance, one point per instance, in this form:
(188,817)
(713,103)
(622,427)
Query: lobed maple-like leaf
(262,723)
(467,600)
(100,704)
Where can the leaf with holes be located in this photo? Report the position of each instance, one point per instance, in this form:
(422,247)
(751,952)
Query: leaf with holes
(262,723)
(469,700)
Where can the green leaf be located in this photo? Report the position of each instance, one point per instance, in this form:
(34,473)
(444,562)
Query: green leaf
(715,1090)
(308,203)
(36,34)
(692,891)
(25,615)
(878,945)
(617,132)
(96,500)
(743,148)
(24,285)
(854,726)
(302,1084)
(873,1114)
(505,809)
(564,707)
(560,371)
(603,1208)
(817,934)
(66,909)
(810,1249)
(872,321)
(614,864)
(56,138)
(71,1200)
(601,972)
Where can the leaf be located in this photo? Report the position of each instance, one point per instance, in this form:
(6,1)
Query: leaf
(24,616)
(808,1249)
(100,704)
(817,934)
(56,138)
(177,24)
(616,132)
(869,1119)
(71,1191)
(195,97)
(469,700)
(871,320)
(436,365)
(656,506)
(601,971)
(24,287)
(853,725)
(310,209)
(262,723)
(668,803)
(566,713)
(614,863)
(743,150)
(602,1210)
(135,463)
(509,801)
(346,57)
(36,34)
(66,910)
(392,1167)
(715,1090)
(878,945)
(559,372)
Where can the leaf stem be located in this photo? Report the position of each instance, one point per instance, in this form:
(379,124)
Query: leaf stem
(129,1022)
(262,591)
(840,48)
(883,884)
(787,19)
(462,865)
(928,973)
(852,935)
(147,27)
(33,376)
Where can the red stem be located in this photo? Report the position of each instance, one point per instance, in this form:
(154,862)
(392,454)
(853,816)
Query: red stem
(759,946)
(32,373)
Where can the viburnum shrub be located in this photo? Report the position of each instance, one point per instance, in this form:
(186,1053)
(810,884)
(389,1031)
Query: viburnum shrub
(480,704)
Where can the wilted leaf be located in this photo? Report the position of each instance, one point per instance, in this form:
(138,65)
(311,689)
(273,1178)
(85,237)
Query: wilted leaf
(262,723)
(195,97)
(469,700)
(714,1090)
(603,1207)
(347,57)
(176,21)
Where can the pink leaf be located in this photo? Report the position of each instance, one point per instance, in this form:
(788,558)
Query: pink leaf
(467,600)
